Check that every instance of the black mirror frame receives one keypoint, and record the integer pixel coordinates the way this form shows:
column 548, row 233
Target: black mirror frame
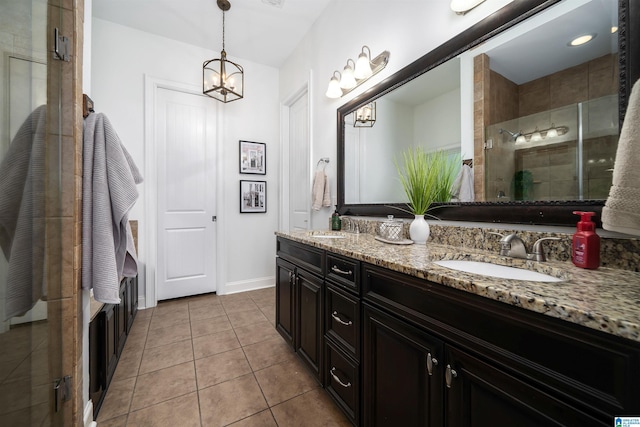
column 547, row 212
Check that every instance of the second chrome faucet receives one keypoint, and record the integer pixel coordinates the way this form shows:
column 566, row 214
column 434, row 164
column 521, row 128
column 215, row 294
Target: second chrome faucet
column 511, row 245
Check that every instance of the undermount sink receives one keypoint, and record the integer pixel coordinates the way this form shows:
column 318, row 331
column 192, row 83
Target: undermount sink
column 495, row 270
column 327, row 234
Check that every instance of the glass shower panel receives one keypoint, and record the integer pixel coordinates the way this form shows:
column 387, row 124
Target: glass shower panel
column 30, row 339
column 561, row 154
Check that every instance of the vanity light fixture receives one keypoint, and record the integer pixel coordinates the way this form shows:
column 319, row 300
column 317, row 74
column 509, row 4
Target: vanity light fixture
column 223, row 79
column 365, row 116
column 538, row 135
column 354, row 75
column 461, row 7
column 579, row 41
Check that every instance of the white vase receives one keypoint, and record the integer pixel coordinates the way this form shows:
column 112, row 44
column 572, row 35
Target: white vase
column 419, row 230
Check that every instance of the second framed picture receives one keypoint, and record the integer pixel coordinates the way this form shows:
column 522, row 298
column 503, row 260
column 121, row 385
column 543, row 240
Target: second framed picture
column 253, row 196
column 253, row 157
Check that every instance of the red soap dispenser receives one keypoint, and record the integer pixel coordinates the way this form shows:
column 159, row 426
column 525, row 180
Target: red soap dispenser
column 585, row 248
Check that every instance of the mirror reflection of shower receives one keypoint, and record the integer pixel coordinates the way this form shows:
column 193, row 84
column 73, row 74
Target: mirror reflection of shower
column 544, row 161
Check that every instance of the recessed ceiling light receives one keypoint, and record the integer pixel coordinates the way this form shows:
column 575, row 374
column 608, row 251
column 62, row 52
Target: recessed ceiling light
column 614, row 29
column 582, row 40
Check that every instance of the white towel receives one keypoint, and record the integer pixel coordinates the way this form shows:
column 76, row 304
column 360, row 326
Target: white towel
column 621, row 212
column 108, row 194
column 326, row 196
column 22, row 214
column 320, row 195
column 462, row 188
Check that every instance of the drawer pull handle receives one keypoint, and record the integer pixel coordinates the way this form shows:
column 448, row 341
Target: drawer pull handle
column 335, row 269
column 449, row 375
column 337, row 318
column 431, row 362
column 335, row 377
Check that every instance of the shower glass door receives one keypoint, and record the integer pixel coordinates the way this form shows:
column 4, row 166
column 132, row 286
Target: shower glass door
column 565, row 153
column 30, row 324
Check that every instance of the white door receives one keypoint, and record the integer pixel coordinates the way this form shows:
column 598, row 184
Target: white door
column 186, row 146
column 299, row 185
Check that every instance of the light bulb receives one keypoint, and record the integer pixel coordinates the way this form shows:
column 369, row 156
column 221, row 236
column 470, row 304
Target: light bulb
column 347, row 81
column 536, row 136
column 363, row 67
column 334, row 91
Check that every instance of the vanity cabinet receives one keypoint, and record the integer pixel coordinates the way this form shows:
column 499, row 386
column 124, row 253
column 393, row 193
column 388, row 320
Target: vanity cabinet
column 400, row 350
column 496, row 364
column 107, row 336
column 299, row 300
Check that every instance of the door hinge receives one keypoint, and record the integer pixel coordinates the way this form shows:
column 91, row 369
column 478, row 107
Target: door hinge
column 61, row 391
column 488, row 144
column 214, row 218
column 60, row 46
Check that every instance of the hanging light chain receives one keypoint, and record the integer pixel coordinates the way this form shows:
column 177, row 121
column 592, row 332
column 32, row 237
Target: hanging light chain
column 223, row 30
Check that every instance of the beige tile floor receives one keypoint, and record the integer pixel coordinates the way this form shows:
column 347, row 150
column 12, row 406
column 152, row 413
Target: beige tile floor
column 213, row 361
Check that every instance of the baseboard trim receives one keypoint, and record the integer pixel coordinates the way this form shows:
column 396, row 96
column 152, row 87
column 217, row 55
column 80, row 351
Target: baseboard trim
column 88, row 415
column 250, row 285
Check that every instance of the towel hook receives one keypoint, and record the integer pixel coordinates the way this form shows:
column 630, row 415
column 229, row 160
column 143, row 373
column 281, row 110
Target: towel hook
column 323, row 160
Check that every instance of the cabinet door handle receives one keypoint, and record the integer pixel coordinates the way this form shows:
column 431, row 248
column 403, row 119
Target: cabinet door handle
column 335, row 377
column 431, row 362
column 449, row 375
column 337, row 318
column 335, row 269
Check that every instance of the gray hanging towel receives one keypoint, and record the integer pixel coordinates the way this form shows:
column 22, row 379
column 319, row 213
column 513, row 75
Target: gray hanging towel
column 108, row 193
column 22, row 215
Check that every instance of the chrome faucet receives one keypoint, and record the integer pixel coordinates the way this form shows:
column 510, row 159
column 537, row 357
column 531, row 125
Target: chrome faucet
column 513, row 246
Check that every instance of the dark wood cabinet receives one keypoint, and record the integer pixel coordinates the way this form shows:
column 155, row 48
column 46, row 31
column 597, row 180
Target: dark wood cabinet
column 479, row 393
column 309, row 316
column 504, row 365
column 107, row 336
column 402, row 376
column 299, row 301
column 285, row 299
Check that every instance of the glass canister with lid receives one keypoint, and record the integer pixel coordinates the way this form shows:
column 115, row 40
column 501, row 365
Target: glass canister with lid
column 391, row 229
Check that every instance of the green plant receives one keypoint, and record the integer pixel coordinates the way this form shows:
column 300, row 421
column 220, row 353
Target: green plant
column 426, row 177
column 522, row 185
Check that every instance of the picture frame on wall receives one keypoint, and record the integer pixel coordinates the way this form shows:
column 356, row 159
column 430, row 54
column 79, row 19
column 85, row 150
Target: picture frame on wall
column 253, row 157
column 253, row 196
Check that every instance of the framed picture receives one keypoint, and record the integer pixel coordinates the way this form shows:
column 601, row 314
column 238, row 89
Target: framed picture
column 253, row 196
column 253, row 157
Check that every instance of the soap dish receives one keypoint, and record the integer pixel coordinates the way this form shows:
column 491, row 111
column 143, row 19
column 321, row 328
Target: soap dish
column 395, row 242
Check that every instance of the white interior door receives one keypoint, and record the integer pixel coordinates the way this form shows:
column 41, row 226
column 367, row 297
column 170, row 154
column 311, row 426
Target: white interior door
column 186, row 146
column 299, row 185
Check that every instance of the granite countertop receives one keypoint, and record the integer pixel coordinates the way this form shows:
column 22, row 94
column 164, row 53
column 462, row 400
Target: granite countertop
column 606, row 299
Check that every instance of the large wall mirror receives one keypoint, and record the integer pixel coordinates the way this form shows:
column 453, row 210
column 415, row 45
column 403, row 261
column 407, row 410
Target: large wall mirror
column 538, row 117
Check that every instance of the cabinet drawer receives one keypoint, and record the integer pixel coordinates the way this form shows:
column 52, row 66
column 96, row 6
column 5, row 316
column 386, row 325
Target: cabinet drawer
column 343, row 320
column 344, row 272
column 303, row 255
column 342, row 381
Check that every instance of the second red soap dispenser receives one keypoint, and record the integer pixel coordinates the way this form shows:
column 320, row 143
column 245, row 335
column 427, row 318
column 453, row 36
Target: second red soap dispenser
column 585, row 247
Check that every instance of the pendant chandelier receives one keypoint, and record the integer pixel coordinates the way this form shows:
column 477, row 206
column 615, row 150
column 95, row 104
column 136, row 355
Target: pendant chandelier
column 223, row 79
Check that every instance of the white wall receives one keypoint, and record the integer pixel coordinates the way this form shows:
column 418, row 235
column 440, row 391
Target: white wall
column 121, row 57
column 407, row 28
column 437, row 122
